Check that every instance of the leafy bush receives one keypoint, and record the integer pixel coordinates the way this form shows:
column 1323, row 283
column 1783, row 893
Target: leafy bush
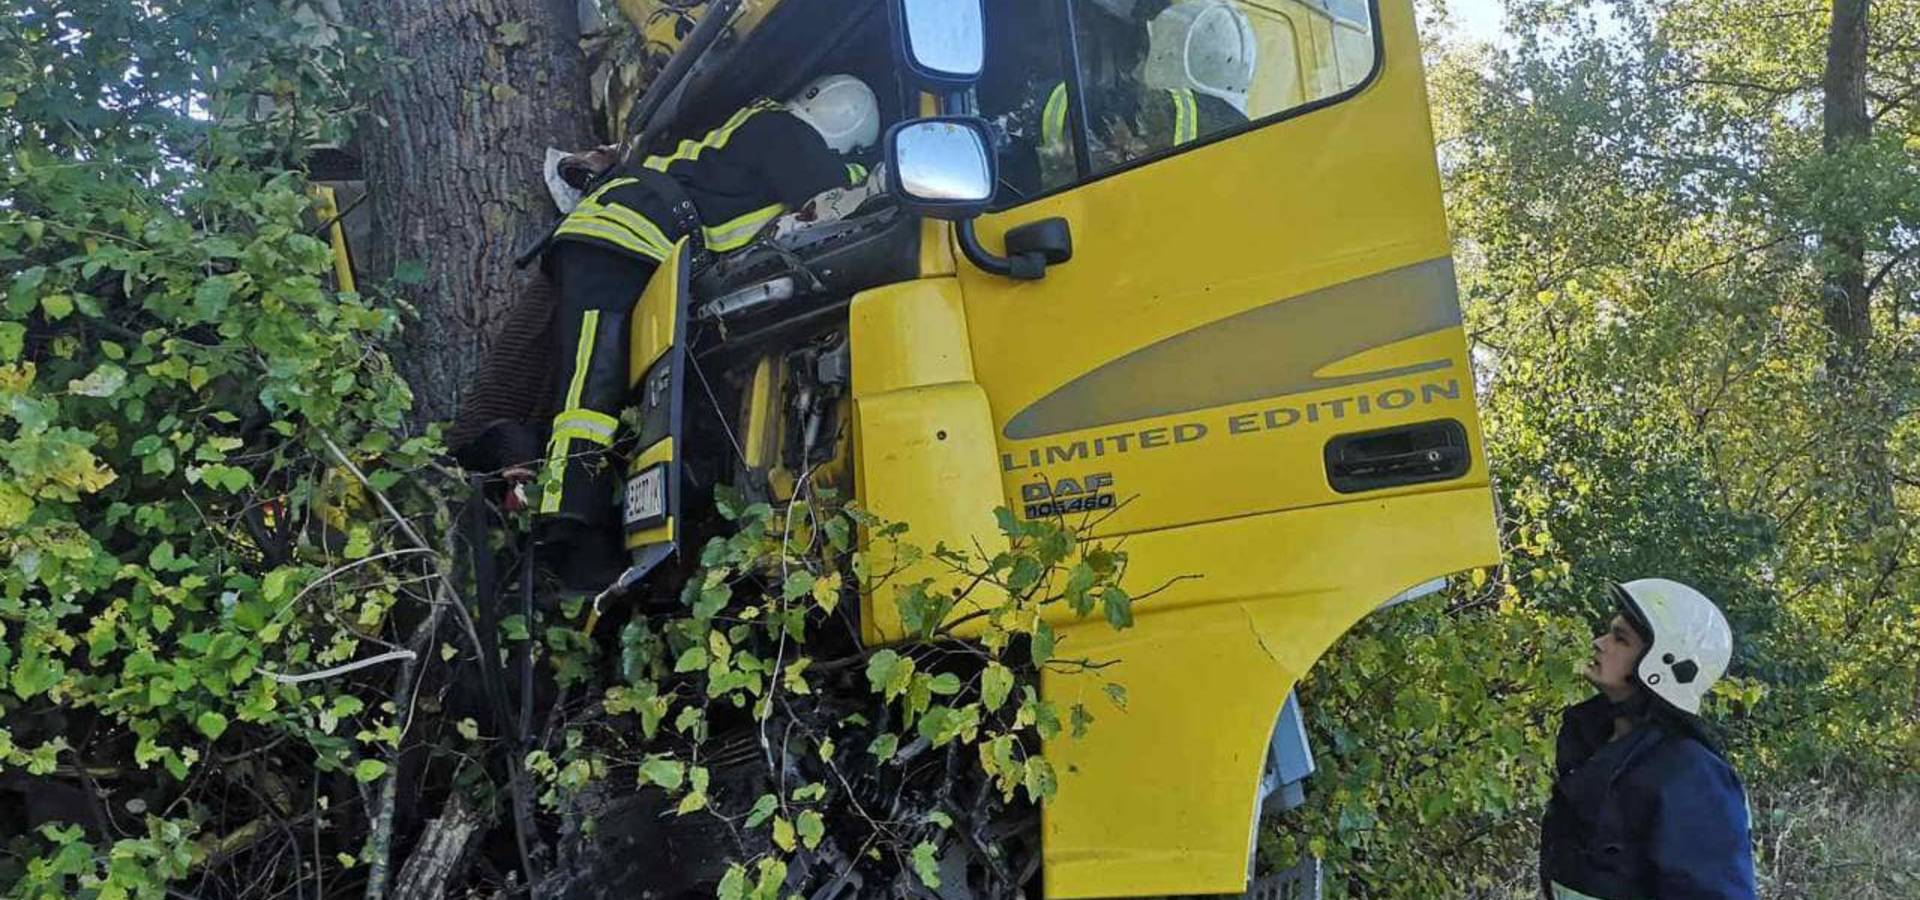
column 182, row 396
column 885, row 763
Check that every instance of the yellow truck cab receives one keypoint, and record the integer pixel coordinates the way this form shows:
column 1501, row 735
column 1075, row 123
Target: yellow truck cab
column 1176, row 269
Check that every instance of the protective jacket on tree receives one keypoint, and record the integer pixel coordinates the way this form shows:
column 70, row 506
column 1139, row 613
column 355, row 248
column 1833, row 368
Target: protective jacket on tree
column 1653, row 815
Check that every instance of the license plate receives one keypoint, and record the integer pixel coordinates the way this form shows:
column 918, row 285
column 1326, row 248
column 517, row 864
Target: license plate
column 646, row 500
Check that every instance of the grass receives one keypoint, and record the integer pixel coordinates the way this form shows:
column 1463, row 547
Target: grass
column 1814, row 842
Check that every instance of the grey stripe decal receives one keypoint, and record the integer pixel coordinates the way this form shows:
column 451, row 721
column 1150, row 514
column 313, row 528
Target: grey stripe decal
column 1265, row 352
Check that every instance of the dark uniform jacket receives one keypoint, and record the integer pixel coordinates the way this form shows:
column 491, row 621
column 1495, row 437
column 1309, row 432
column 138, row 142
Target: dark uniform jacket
column 762, row 162
column 728, row 185
column 1655, row 815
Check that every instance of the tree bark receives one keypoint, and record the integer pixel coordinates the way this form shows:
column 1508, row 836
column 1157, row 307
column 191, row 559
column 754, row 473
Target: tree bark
column 1861, row 411
column 1845, row 124
column 441, row 855
column 453, row 158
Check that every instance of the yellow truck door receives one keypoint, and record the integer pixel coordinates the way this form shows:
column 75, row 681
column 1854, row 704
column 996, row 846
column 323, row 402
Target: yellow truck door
column 656, row 370
column 1252, row 367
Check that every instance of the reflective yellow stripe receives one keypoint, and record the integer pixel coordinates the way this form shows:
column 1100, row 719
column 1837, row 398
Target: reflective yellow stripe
column 735, row 233
column 1186, row 116
column 602, row 230
column 588, row 424
column 856, row 173
column 616, row 224
column 603, row 189
column 715, row 139
column 559, row 446
column 625, row 217
column 1053, row 119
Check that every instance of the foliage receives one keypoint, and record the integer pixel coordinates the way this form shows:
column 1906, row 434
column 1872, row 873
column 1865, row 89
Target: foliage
column 862, row 759
column 180, row 390
column 1454, row 766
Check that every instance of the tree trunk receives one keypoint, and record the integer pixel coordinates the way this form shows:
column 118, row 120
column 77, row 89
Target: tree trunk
column 453, row 167
column 441, row 854
column 1861, row 413
column 1845, row 125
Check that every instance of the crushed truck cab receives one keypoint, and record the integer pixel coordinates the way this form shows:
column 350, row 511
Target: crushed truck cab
column 1206, row 303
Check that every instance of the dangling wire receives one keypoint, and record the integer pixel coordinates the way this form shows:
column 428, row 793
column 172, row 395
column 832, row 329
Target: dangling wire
column 725, row 426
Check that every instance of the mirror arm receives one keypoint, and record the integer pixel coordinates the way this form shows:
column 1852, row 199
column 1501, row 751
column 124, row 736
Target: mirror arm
column 712, row 25
column 958, row 103
column 1020, row 267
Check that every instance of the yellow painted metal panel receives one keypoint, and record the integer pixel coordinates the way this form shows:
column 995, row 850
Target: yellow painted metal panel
column 1160, row 797
column 662, row 451
column 655, row 314
column 926, row 459
column 936, row 249
column 760, row 414
column 1286, row 225
column 909, row 334
column 1229, row 310
column 327, row 207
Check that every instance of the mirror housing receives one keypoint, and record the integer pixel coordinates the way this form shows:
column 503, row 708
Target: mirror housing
column 941, row 167
column 942, row 43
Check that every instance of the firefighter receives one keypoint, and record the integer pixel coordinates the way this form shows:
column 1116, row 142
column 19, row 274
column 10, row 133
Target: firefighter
column 726, row 188
column 1644, row 805
column 1155, row 76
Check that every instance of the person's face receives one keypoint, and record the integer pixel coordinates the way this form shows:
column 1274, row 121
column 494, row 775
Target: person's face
column 1615, row 651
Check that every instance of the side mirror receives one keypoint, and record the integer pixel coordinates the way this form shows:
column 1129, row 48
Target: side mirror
column 941, row 42
column 941, row 167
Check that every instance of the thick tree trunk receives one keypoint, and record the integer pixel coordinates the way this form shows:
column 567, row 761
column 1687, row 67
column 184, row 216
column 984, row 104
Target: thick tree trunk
column 1846, row 124
column 453, row 167
column 1861, row 412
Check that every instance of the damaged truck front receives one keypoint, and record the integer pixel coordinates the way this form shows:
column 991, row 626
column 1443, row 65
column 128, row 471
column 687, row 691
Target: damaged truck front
column 1178, row 270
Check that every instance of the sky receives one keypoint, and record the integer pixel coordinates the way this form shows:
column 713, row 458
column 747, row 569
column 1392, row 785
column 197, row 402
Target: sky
column 1477, row 20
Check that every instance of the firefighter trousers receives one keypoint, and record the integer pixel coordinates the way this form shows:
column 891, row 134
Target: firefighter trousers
column 604, row 254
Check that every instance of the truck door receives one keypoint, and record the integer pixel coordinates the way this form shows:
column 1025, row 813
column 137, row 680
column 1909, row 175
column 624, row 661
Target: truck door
column 1259, row 265
column 1252, row 366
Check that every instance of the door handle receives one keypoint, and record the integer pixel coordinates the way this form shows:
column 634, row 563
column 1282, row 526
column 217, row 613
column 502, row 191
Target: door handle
column 1051, row 238
column 1030, row 249
column 1392, row 457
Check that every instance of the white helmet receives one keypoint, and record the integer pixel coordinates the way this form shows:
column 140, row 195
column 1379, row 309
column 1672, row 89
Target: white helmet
column 842, row 108
column 1207, row 46
column 1688, row 640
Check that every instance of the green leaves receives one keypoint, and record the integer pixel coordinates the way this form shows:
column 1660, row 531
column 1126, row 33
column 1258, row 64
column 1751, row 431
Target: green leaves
column 34, row 673
column 211, row 297
column 13, row 337
column 740, row 645
column 812, row 827
column 692, row 659
column 762, row 810
column 668, row 773
column 889, row 673
column 213, row 725
column 926, row 865
column 410, row 272
column 1119, row 606
column 996, row 682
column 799, row 584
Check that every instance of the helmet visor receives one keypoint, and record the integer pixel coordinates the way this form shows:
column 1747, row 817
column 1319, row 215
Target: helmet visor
column 1630, row 609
